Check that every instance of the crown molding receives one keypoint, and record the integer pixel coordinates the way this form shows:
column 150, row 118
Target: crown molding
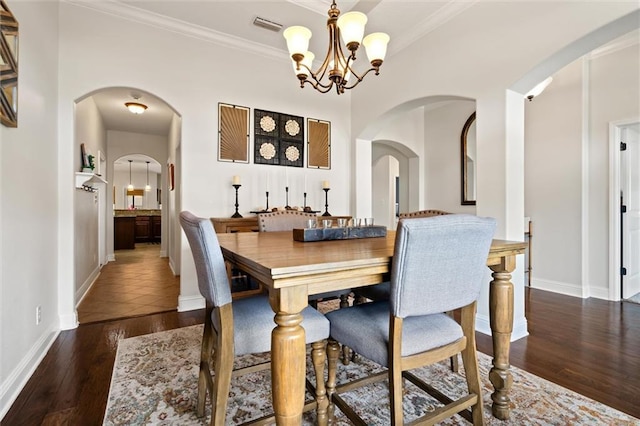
column 429, row 24
column 142, row 16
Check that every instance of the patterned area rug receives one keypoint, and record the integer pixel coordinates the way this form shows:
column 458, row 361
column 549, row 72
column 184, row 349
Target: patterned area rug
column 155, row 382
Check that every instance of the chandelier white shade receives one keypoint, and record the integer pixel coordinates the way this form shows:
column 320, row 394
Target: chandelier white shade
column 336, row 69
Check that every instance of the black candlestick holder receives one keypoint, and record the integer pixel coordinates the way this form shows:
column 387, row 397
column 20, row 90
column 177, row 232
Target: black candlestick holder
column 287, row 206
column 236, row 214
column 326, row 202
column 267, row 208
column 304, row 205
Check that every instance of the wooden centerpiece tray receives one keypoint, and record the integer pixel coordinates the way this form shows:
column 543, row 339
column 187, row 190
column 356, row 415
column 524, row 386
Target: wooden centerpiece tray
column 346, row 233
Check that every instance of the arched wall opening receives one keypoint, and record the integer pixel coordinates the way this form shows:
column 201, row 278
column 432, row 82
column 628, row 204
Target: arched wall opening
column 105, row 129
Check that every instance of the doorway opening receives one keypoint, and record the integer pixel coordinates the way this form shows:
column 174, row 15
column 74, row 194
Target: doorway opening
column 624, row 207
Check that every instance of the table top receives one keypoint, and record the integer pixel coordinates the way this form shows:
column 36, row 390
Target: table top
column 278, row 261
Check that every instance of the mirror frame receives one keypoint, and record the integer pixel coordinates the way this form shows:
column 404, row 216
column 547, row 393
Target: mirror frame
column 463, row 161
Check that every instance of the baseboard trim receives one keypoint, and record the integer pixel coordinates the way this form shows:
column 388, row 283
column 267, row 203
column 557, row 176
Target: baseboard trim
column 559, row 287
column 86, row 286
column 520, row 330
column 17, row 379
column 111, row 257
column 190, row 303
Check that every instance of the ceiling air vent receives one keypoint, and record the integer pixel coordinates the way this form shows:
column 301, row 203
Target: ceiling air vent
column 265, row 23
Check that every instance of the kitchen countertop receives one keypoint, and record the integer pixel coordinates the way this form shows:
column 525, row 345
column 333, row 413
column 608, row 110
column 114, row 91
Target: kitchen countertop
column 135, row 213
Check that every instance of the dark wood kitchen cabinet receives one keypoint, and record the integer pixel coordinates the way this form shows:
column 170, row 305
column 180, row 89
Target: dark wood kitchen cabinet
column 124, row 232
column 143, row 229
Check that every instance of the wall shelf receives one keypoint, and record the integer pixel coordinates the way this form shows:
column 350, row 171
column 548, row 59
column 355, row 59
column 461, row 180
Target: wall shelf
column 86, row 180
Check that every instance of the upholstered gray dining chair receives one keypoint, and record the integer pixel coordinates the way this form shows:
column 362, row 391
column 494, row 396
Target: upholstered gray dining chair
column 240, row 327
column 438, row 265
column 382, row 291
column 284, row 220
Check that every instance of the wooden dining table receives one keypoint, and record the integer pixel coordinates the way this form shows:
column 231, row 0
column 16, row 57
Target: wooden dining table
column 293, row 270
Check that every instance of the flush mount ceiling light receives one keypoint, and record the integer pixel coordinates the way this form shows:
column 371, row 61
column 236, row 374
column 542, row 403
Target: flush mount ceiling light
column 336, row 66
column 538, row 88
column 136, row 107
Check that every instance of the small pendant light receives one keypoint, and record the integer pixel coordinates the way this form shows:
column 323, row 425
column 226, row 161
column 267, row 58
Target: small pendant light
column 130, row 187
column 148, row 187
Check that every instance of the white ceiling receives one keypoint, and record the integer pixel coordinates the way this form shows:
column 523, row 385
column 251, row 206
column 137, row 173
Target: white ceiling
column 231, row 22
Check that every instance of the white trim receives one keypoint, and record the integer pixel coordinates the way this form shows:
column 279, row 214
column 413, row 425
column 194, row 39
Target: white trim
column 584, row 252
column 190, row 303
column 568, row 289
column 146, row 17
column 615, row 135
column 111, row 257
column 86, row 286
column 483, row 325
column 631, row 39
column 429, row 24
column 69, row 322
column 11, row 387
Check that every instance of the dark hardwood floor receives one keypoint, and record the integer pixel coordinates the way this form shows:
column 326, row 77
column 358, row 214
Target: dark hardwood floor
column 590, row 346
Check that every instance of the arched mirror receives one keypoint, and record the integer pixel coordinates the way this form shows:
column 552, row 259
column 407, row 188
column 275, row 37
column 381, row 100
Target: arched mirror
column 468, row 161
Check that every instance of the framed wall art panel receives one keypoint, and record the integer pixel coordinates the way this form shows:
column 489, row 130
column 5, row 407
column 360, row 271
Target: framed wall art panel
column 233, row 133
column 318, row 144
column 8, row 67
column 266, row 150
column 291, row 153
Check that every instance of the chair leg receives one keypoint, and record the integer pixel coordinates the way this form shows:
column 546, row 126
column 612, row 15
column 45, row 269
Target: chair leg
column 470, row 362
column 223, row 366
column 333, row 352
column 204, row 376
column 455, row 365
column 319, row 356
column 395, row 371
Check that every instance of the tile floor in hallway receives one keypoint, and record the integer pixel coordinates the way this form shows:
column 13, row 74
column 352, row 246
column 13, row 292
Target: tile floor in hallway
column 139, row 282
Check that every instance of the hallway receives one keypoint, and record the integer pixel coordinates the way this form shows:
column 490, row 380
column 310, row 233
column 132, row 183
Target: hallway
column 139, row 282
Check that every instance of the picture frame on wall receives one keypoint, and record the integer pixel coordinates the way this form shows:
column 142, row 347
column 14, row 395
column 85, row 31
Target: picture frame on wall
column 233, row 133
column 278, row 138
column 8, row 67
column 318, row 144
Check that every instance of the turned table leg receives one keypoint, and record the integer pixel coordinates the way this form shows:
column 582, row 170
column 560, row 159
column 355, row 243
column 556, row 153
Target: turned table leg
column 288, row 357
column 501, row 319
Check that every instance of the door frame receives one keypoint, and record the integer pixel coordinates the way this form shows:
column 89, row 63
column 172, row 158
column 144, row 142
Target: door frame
column 615, row 134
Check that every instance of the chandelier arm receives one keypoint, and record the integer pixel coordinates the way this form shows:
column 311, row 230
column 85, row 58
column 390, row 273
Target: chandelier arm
column 359, row 79
column 318, row 87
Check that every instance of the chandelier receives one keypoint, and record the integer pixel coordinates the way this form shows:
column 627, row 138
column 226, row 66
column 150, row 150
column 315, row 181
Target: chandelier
column 336, row 67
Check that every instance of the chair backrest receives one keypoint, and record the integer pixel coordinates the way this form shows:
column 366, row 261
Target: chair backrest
column 439, row 263
column 213, row 281
column 423, row 213
column 284, row 220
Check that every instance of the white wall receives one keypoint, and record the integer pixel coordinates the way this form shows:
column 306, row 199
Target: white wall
column 613, row 91
column 557, row 125
column 553, row 182
column 90, row 131
column 385, row 170
column 443, row 126
column 29, row 205
column 138, row 58
column 460, row 59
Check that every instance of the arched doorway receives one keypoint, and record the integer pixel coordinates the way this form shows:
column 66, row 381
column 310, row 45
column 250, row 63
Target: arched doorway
column 109, row 131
